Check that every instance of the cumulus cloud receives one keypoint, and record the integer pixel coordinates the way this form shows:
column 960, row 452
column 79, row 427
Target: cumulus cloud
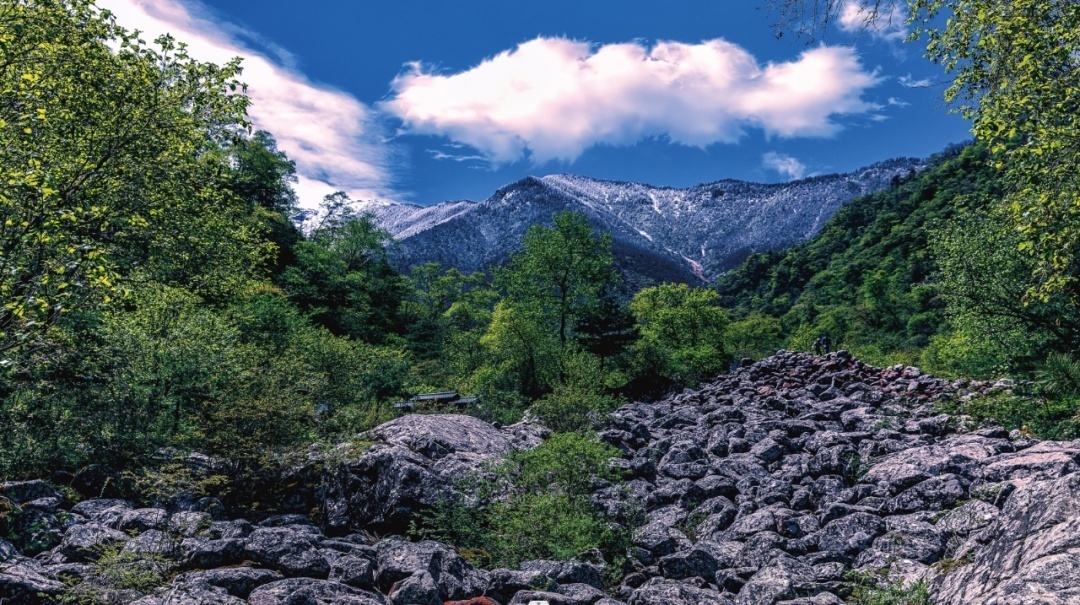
column 888, row 22
column 786, row 165
column 333, row 137
column 553, row 98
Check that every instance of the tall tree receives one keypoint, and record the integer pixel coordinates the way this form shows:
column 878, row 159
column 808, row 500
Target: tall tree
column 342, row 276
column 262, row 174
column 262, row 177
column 560, row 272
column 111, row 163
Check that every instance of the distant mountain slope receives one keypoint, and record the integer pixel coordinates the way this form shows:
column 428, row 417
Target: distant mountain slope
column 864, row 279
column 659, row 233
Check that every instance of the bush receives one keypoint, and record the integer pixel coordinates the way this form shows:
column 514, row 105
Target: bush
column 531, row 505
column 1045, row 418
column 1060, row 375
column 579, row 399
column 117, row 570
column 867, row 589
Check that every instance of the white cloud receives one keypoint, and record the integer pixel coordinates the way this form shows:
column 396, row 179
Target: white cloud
column 332, row 137
column 910, row 82
column 785, row 164
column 555, row 98
column 897, row 102
column 442, row 155
column 888, row 22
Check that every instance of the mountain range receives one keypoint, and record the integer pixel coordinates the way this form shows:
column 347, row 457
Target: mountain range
column 659, row 234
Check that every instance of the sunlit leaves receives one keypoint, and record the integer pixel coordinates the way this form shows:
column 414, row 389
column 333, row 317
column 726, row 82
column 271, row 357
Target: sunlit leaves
column 110, row 168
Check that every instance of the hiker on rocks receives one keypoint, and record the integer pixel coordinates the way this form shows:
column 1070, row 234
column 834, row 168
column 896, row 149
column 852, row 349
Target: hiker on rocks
column 821, row 345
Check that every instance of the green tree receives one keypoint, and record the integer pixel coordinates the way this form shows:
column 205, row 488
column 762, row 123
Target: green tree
column 262, row 175
column 607, row 330
column 431, row 294
column 1015, row 75
column 682, row 332
column 984, row 279
column 110, row 155
column 522, row 353
column 755, row 336
column 547, row 288
column 342, row 276
column 868, row 277
column 560, row 272
column 580, row 398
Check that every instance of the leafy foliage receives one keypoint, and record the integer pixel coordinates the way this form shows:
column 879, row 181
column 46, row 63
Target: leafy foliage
column 111, row 158
column 1015, row 76
column 866, row 278
column 682, row 332
column 341, row 277
column 578, row 400
column 534, row 506
column 118, row 570
column 984, row 280
column 869, row 591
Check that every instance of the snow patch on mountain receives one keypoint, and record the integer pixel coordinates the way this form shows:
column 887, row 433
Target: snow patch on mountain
column 659, row 233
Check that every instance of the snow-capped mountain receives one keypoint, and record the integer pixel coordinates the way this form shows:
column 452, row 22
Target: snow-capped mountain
column 659, row 233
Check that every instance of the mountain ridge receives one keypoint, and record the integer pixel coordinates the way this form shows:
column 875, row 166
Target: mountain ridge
column 660, row 233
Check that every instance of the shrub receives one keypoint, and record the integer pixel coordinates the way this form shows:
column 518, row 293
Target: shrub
column 579, row 398
column 1046, row 418
column 868, row 589
column 117, row 570
column 531, row 505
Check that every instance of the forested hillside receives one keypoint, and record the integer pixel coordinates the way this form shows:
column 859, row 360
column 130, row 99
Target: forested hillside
column 869, row 279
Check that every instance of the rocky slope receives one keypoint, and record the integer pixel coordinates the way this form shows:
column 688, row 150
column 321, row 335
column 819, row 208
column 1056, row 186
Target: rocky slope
column 772, row 485
column 659, row 233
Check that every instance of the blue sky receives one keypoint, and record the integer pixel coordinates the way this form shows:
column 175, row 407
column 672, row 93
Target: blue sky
column 424, row 101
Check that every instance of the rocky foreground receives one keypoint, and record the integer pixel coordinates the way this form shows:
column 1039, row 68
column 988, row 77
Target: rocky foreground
column 777, row 484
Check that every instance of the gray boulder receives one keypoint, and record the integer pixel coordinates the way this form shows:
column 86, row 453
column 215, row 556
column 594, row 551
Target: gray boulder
column 785, row 578
column 417, row 589
column 307, row 591
column 88, row 541
column 142, row 519
column 412, row 466
column 102, row 510
column 356, row 571
column 1029, row 555
column 851, row 534
column 23, row 581
column 398, row 560
column 236, row 581
column 21, row 492
column 292, row 552
column 192, row 593
column 503, row 584
column 566, row 572
column 661, row 591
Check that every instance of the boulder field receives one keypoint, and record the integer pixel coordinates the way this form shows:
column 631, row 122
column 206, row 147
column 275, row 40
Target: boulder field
column 782, row 483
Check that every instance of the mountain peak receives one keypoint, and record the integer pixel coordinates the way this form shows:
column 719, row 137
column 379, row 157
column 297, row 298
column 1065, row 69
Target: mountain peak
column 659, row 233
